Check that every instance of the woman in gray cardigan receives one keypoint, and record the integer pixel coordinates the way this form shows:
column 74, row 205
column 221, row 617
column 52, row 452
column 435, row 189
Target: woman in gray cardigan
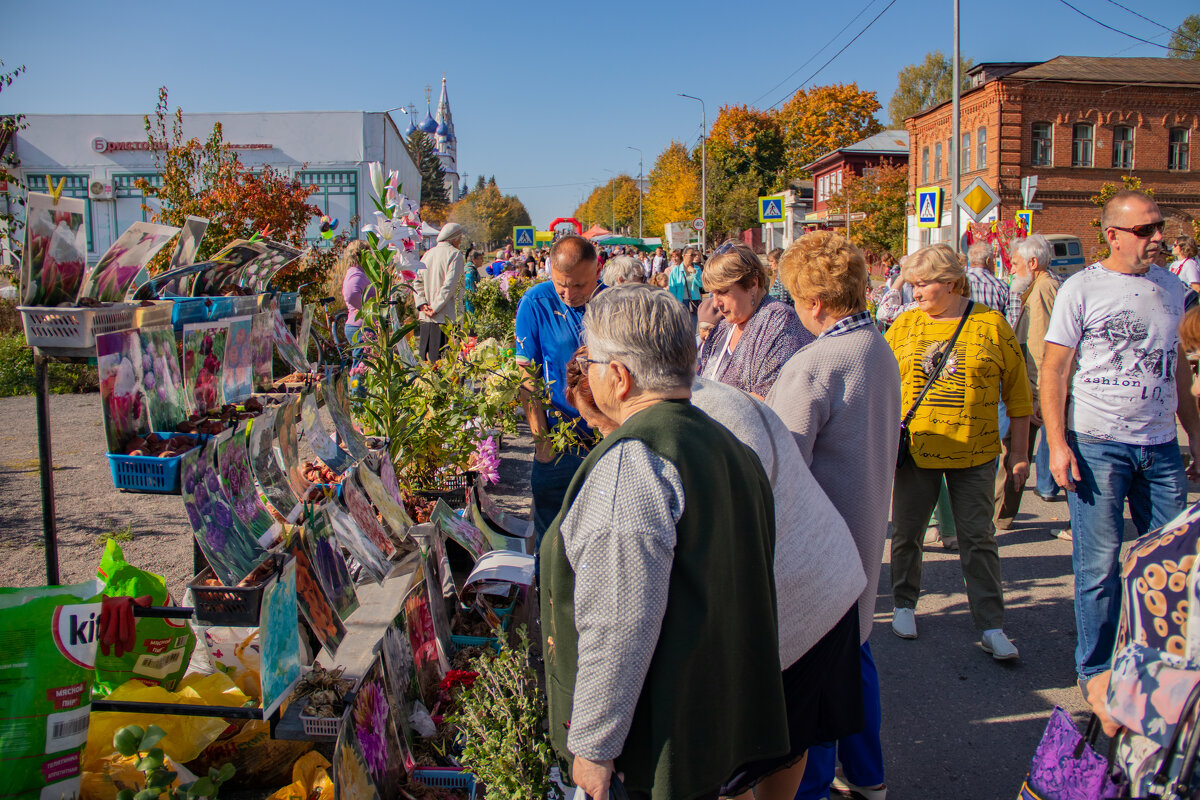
column 840, row 398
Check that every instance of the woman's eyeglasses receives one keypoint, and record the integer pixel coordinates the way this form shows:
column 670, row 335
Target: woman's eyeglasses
column 1143, row 231
column 583, row 362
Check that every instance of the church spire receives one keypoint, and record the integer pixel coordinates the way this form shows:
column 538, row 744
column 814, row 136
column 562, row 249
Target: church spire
column 445, row 122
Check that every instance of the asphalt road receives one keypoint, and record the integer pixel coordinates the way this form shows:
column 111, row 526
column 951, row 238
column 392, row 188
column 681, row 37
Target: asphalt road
column 956, row 723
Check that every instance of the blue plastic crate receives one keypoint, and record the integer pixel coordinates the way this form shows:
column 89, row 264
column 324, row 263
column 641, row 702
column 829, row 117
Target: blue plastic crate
column 188, row 310
column 223, row 307
column 148, row 474
column 445, row 778
column 288, row 302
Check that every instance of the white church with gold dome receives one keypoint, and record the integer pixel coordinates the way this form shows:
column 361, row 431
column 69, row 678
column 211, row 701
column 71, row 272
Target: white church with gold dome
column 441, row 129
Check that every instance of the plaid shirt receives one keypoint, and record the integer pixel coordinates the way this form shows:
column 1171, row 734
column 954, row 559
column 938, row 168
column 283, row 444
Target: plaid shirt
column 853, row 322
column 989, row 290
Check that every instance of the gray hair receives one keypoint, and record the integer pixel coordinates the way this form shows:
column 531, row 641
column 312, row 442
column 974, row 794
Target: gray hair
column 624, row 269
column 647, row 330
column 980, row 253
column 1036, row 246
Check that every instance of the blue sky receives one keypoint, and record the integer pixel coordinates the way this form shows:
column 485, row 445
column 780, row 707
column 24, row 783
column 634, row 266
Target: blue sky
column 546, row 96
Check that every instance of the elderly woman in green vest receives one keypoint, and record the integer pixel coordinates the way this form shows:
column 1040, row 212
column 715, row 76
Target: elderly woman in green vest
column 658, row 592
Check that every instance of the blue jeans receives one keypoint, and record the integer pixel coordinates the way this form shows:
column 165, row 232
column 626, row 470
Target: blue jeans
column 1152, row 479
column 549, row 483
column 1045, row 480
column 861, row 754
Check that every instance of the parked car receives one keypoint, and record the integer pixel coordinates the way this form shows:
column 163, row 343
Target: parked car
column 1067, row 254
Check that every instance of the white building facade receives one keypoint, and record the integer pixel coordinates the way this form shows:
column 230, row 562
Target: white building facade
column 102, row 155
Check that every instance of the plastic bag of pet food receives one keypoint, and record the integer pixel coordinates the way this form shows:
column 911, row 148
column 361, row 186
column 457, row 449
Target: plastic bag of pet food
column 48, row 637
column 163, row 647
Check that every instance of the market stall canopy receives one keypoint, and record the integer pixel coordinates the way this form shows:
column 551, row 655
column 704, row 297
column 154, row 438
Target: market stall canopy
column 596, row 230
column 610, row 241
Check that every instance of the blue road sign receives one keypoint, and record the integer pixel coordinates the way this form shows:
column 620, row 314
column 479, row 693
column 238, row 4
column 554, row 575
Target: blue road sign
column 523, row 236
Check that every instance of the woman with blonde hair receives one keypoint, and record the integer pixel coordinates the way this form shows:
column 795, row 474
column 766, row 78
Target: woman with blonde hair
column 758, row 333
column 957, row 360
column 355, row 287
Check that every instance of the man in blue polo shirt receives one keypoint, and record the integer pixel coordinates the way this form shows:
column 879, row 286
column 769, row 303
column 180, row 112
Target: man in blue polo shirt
column 549, row 326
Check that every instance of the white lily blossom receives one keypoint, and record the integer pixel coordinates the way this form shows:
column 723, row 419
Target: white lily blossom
column 377, row 184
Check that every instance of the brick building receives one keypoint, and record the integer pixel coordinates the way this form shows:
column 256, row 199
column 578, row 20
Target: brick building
column 1074, row 122
column 829, row 172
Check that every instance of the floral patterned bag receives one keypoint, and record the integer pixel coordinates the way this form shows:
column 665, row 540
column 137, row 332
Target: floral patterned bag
column 1066, row 767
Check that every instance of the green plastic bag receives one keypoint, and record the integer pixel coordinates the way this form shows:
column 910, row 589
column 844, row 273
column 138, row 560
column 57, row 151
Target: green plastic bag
column 164, row 646
column 48, row 641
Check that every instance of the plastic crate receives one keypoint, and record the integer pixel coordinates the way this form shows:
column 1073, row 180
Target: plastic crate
column 451, row 488
column 148, row 474
column 445, row 778
column 189, row 310
column 237, row 306
column 323, row 727
column 158, row 314
column 74, row 327
column 289, row 302
column 228, row 605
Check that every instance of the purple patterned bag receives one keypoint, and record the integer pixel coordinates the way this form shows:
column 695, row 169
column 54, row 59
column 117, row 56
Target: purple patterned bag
column 1065, row 767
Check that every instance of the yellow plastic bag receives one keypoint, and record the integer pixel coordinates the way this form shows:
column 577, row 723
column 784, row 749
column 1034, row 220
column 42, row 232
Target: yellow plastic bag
column 102, row 780
column 261, row 762
column 186, row 736
column 310, row 780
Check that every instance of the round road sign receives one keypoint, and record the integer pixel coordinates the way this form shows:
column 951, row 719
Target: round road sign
column 698, row 224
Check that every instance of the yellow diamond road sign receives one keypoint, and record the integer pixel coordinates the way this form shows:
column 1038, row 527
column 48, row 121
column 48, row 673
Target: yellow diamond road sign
column 978, row 199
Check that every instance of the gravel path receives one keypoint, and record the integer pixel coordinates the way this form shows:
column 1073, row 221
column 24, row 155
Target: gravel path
column 152, row 529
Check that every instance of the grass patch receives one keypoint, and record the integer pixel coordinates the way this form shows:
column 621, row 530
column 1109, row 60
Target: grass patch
column 124, row 534
column 17, row 375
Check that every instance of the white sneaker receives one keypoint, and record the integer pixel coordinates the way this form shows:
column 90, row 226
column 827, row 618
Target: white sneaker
column 904, row 623
column 843, row 786
column 996, row 643
column 933, row 535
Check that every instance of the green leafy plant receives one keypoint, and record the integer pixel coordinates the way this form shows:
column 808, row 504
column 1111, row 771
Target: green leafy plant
column 495, row 301
column 17, row 376
column 132, row 741
column 502, row 716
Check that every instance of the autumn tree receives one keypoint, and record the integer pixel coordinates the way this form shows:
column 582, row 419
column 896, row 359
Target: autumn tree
column 1101, row 198
column 1185, row 40
column 746, row 145
column 488, row 215
column 674, row 189
column 435, row 202
column 824, row 118
column 881, row 193
column 613, row 205
column 923, row 85
column 732, row 202
column 207, row 179
column 11, row 223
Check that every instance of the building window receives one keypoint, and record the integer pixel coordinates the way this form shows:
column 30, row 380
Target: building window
column 336, row 195
column 128, row 201
column 981, row 143
column 75, row 186
column 1081, row 145
column 1122, row 147
column 924, row 165
column 1177, row 148
column 1041, row 145
column 965, row 151
column 937, row 161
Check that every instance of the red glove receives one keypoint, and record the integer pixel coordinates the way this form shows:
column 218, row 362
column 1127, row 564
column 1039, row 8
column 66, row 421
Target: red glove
column 118, row 628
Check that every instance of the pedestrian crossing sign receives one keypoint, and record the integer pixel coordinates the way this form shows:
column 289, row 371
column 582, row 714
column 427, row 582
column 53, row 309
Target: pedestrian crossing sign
column 770, row 209
column 1025, row 217
column 929, row 207
column 523, row 236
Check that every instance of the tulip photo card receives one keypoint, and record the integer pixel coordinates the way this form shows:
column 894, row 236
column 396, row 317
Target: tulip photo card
column 114, row 275
column 237, row 372
column 203, row 361
column 55, row 256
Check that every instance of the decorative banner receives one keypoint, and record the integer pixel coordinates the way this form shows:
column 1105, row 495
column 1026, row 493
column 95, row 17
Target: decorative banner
column 929, row 207
column 114, row 275
column 55, row 256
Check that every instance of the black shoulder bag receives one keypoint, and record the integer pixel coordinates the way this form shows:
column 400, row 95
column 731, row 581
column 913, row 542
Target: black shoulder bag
column 903, row 454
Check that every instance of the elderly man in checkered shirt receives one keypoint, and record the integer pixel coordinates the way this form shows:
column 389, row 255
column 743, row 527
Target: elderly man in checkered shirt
column 986, row 288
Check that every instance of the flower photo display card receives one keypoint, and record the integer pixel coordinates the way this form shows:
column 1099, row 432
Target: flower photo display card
column 275, row 486
column 141, row 387
column 227, row 546
column 310, row 595
column 289, row 351
column 262, row 343
column 374, row 565
column 237, row 483
column 113, row 276
column 203, row 359
column 55, row 257
column 237, row 371
column 326, row 557
column 280, row 636
column 319, row 439
column 355, row 499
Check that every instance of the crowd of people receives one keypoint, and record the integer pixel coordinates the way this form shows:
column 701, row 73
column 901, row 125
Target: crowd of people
column 751, row 436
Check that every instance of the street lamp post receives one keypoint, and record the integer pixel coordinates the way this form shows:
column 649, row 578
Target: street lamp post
column 956, row 142
column 639, row 152
column 383, row 130
column 703, row 171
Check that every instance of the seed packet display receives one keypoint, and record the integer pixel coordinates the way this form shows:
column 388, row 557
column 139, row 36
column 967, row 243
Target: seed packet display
column 237, row 371
column 400, row 680
column 224, row 270
column 228, row 547
column 318, row 436
column 429, row 653
column 310, row 596
column 364, row 551
column 162, row 378
column 203, row 359
column 395, row 517
column 55, row 256
column 326, row 557
column 257, row 274
column 350, row 775
column 169, row 282
column 237, row 484
column 262, row 342
column 351, row 439
column 267, row 471
column 459, row 530
column 286, row 448
column 46, row 670
column 359, row 507
column 280, row 666
column 122, row 398
column 289, row 350
column 375, row 729
column 114, row 274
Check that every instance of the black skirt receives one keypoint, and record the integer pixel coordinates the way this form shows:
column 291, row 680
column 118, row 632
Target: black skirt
column 823, row 695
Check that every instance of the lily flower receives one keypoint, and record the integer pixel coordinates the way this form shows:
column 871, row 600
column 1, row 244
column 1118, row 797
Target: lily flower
column 384, row 228
column 376, row 170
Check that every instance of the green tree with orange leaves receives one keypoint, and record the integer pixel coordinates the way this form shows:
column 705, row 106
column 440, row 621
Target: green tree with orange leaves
column 824, row 118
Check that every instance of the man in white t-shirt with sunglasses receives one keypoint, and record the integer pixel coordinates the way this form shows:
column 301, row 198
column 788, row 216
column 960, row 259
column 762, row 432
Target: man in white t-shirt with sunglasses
column 1113, row 341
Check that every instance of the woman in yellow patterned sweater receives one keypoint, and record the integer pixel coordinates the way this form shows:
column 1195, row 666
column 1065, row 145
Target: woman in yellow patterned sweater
column 955, row 434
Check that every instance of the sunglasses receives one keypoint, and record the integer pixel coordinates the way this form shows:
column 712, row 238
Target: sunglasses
column 1143, row 231
column 725, row 248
